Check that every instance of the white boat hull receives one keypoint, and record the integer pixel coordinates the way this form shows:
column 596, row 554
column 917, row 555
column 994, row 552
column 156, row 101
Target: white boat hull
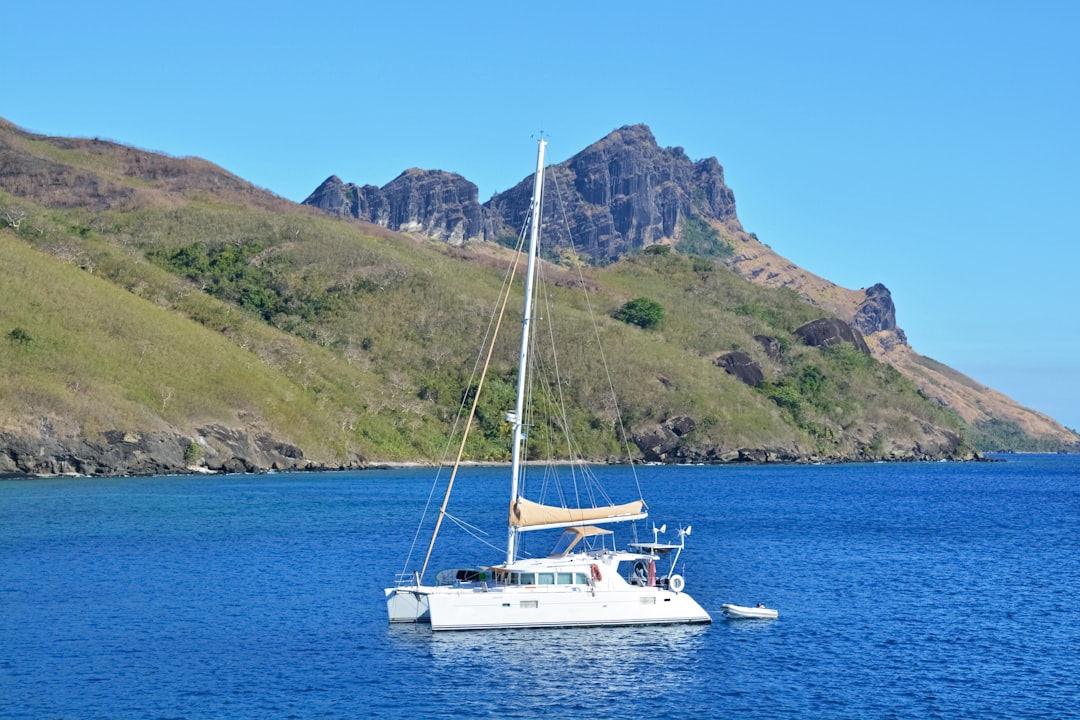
column 748, row 613
column 479, row 608
column 408, row 605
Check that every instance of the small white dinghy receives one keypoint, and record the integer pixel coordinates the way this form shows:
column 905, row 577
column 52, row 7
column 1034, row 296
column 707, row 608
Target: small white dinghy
column 738, row 612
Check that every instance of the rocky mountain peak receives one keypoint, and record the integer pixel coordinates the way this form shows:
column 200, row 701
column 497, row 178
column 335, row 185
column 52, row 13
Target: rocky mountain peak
column 620, row 193
column 876, row 312
column 332, row 196
column 435, row 203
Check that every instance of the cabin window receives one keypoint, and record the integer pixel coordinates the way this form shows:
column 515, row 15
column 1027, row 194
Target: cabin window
column 515, row 578
column 528, row 578
column 580, row 579
column 545, row 578
column 565, row 578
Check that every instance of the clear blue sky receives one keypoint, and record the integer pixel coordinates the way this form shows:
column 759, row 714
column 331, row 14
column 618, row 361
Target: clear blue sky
column 931, row 146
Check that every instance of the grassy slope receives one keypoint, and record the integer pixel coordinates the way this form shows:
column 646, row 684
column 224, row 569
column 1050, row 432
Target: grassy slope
column 100, row 358
column 840, row 400
column 997, row 422
column 369, row 349
column 382, row 372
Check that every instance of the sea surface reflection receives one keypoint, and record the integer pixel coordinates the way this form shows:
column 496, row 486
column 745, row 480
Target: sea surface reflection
column 568, row 670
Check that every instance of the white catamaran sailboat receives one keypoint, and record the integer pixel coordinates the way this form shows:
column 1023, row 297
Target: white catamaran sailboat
column 584, row 581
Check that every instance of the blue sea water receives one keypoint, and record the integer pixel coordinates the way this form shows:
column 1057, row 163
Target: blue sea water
column 904, row 590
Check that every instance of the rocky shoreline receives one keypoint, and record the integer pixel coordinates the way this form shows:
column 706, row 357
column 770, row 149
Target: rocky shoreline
column 219, row 450
column 215, row 450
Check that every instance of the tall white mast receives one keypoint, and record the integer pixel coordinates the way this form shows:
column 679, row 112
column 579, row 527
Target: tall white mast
column 519, row 407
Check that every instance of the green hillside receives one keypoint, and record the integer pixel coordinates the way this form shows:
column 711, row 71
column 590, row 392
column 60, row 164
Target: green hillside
column 175, row 309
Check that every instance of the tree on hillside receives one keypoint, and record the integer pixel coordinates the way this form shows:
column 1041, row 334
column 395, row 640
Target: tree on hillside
column 642, row 311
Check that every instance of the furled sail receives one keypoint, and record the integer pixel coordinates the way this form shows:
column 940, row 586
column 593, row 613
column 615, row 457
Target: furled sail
column 528, row 515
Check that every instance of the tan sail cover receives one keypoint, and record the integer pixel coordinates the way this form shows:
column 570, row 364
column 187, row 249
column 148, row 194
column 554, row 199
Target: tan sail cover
column 526, row 514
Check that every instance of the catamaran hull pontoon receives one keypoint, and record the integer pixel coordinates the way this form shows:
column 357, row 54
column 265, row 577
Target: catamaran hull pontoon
column 448, row 608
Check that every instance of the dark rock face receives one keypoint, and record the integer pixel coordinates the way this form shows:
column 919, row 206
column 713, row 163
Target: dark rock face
column 663, row 442
column 668, row 442
column 334, row 197
column 237, row 451
column 877, row 312
column 824, row 332
column 938, row 443
column 438, row 204
column 441, row 205
column 128, row 453
column 619, row 194
column 770, row 345
column 119, row 454
column 761, row 456
column 743, row 367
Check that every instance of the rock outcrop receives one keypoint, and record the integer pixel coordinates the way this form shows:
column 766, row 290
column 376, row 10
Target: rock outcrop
column 672, row 442
column 662, row 442
column 622, row 193
column 216, row 449
column 619, row 194
column 770, row 345
column 877, row 313
column 433, row 203
column 824, row 332
column 741, row 366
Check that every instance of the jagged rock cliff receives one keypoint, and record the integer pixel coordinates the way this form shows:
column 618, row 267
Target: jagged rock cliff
column 434, row 203
column 219, row 449
column 621, row 193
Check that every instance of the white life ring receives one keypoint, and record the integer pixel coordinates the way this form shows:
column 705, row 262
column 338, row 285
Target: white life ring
column 676, row 583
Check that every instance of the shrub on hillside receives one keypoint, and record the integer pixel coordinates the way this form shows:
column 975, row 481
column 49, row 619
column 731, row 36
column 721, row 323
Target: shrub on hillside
column 642, row 311
column 19, row 336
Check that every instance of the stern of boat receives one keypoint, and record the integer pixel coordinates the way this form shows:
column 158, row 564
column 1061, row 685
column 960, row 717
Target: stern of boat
column 407, row 605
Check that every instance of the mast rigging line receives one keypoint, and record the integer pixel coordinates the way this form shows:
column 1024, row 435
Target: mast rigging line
column 596, row 334
column 468, row 421
column 494, row 323
column 472, row 531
